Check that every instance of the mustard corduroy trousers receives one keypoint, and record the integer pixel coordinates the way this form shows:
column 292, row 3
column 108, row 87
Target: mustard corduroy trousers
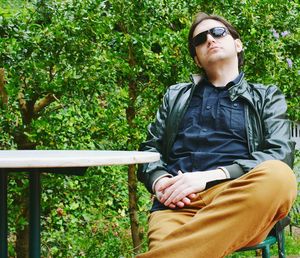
column 226, row 217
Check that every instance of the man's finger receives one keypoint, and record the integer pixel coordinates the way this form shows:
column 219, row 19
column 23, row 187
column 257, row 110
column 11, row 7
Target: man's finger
column 164, row 183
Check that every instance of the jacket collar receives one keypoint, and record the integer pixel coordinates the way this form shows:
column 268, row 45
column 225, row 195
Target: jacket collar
column 196, row 78
column 238, row 89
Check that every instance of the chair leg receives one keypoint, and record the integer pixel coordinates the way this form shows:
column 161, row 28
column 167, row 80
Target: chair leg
column 281, row 243
column 266, row 252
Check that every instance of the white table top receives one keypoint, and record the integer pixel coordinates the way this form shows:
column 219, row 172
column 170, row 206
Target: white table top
column 72, row 158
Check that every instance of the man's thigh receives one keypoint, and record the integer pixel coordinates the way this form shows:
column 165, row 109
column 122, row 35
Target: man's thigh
column 163, row 222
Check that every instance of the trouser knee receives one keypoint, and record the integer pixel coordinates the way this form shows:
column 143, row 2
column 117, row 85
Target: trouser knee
column 276, row 181
column 278, row 174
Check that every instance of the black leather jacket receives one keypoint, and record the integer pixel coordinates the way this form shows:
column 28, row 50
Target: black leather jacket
column 268, row 130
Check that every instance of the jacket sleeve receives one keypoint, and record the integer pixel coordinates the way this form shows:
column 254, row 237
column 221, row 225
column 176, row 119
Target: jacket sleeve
column 276, row 143
column 148, row 173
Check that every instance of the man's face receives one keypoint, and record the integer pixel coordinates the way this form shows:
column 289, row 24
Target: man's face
column 216, row 50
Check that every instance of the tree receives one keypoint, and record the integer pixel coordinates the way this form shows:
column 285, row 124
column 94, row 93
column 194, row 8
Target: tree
column 48, row 55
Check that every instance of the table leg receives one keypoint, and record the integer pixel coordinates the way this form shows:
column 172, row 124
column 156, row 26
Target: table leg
column 3, row 213
column 34, row 215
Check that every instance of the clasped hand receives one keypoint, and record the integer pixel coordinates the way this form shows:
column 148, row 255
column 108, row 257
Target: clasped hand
column 180, row 190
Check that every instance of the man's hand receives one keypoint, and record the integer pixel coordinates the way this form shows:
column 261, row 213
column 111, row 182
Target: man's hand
column 180, row 190
column 183, row 185
column 163, row 184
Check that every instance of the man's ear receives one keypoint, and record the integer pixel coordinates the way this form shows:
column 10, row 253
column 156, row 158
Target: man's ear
column 238, row 45
column 197, row 62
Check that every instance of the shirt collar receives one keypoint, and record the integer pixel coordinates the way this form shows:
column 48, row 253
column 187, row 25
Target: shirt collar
column 236, row 80
column 196, row 79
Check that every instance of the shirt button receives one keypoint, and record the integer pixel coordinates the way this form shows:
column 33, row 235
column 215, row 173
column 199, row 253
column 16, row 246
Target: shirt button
column 207, row 107
column 235, row 104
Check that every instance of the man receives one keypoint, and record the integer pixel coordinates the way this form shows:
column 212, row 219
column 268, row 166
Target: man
column 224, row 177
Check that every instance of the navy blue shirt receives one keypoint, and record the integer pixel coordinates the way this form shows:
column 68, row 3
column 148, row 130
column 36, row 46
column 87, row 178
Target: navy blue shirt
column 212, row 132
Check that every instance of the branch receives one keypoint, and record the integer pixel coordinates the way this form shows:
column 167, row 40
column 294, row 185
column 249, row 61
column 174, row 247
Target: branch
column 43, row 102
column 22, row 102
column 3, row 94
column 26, row 106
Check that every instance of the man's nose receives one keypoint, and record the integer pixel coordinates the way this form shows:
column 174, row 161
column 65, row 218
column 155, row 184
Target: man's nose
column 210, row 38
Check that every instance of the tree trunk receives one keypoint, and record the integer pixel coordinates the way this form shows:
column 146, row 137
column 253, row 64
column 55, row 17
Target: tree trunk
column 22, row 242
column 134, row 223
column 22, row 201
column 22, row 232
column 132, row 180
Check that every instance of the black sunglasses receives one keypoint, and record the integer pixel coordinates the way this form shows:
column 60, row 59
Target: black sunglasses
column 217, row 32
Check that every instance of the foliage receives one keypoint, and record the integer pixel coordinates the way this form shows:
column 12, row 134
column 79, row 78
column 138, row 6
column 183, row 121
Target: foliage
column 90, row 74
